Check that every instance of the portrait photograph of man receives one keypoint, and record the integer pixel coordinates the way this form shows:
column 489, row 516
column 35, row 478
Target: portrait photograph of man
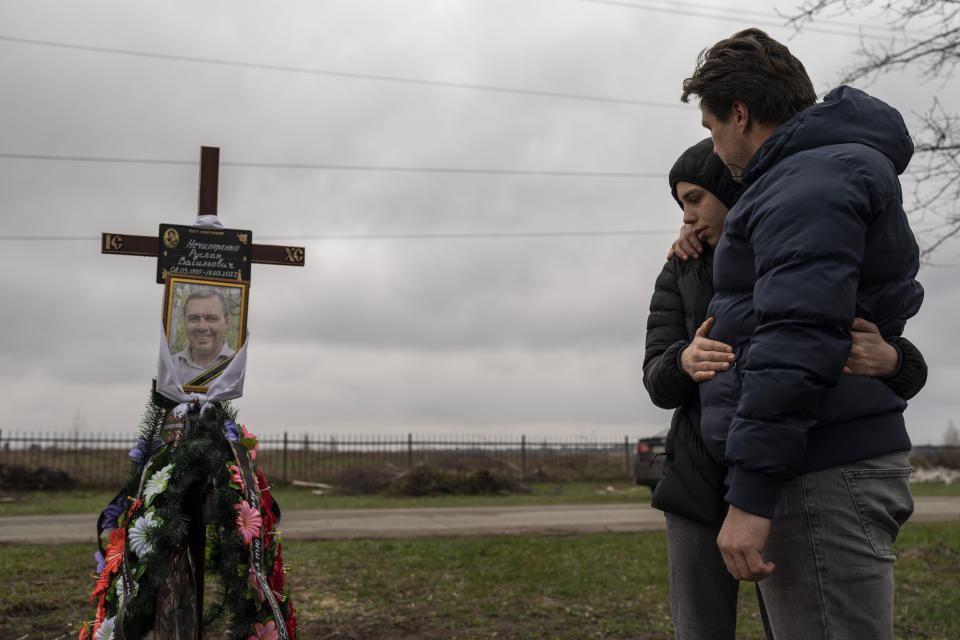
column 204, row 321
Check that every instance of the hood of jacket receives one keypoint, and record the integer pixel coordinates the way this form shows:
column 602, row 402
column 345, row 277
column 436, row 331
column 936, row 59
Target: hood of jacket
column 846, row 115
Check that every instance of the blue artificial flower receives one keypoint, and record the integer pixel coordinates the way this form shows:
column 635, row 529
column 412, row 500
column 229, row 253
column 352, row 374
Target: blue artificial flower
column 231, row 429
column 101, row 561
column 136, row 454
column 110, row 516
column 144, row 450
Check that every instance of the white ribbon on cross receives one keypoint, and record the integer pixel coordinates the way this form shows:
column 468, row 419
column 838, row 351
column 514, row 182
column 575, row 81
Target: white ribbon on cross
column 227, row 386
column 208, row 222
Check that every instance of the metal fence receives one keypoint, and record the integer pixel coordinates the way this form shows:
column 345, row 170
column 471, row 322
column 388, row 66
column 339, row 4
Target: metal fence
column 102, row 460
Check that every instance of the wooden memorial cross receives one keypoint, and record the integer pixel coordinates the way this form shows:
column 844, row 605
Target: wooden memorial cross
column 131, row 245
column 134, row 245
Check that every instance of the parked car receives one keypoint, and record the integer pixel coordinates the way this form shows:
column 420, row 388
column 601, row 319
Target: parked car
column 648, row 459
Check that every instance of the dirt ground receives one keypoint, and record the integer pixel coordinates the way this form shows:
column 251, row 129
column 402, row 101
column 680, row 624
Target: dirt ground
column 386, row 629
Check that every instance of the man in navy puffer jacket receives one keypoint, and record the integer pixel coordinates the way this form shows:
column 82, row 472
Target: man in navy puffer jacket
column 819, row 470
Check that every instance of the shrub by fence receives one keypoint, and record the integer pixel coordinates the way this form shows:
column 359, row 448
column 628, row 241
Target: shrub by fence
column 102, row 461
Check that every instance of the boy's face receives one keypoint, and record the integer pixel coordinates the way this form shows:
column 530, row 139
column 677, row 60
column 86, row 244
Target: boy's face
column 703, row 211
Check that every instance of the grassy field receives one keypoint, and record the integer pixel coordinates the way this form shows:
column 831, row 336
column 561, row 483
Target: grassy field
column 526, row 587
column 298, row 498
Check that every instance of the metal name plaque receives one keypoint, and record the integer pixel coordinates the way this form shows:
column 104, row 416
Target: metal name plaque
column 205, row 253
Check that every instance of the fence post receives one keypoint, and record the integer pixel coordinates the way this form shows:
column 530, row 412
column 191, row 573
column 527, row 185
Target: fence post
column 626, row 456
column 284, row 457
column 523, row 458
column 409, row 451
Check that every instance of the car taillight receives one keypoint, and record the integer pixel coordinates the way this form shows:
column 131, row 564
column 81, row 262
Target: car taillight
column 643, row 447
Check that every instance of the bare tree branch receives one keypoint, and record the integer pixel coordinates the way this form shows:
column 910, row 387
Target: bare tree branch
column 935, row 169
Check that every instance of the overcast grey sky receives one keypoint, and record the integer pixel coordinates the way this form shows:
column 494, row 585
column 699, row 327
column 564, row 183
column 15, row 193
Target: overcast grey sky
column 507, row 298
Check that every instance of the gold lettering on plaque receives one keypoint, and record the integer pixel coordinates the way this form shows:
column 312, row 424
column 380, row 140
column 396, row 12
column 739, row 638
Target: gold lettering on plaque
column 112, row 242
column 293, row 254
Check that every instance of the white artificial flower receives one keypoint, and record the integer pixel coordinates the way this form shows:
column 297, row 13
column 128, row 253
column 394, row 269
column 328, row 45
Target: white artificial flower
column 138, row 534
column 105, row 632
column 157, row 483
column 121, row 592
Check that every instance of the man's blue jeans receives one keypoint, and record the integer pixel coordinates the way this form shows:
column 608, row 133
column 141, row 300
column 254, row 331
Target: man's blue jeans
column 832, row 543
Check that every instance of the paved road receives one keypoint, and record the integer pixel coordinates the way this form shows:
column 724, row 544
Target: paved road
column 401, row 523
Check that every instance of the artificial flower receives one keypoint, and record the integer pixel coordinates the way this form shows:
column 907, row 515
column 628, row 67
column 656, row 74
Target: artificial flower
column 105, row 630
column 101, row 561
column 265, row 631
column 111, row 562
column 110, row 517
column 122, row 593
column 144, row 450
column 255, row 584
column 139, row 533
column 84, row 631
column 277, row 575
column 231, row 430
column 248, row 521
column 114, row 550
column 157, row 483
column 292, row 622
column 249, row 442
column 101, row 611
column 267, row 506
column 236, row 477
column 134, row 508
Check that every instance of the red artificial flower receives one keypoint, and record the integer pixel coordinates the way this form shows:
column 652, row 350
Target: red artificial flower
column 101, row 612
column 292, row 622
column 112, row 561
column 114, row 557
column 276, row 575
column 266, row 510
column 84, row 632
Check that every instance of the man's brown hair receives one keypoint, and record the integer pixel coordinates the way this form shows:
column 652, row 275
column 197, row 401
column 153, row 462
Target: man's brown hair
column 753, row 68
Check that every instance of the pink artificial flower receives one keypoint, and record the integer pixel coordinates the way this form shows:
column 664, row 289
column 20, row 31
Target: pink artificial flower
column 265, row 631
column 236, row 476
column 256, row 443
column 248, row 522
column 255, row 584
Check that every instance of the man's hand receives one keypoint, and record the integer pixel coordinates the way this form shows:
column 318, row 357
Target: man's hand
column 687, row 245
column 741, row 541
column 870, row 354
column 704, row 357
